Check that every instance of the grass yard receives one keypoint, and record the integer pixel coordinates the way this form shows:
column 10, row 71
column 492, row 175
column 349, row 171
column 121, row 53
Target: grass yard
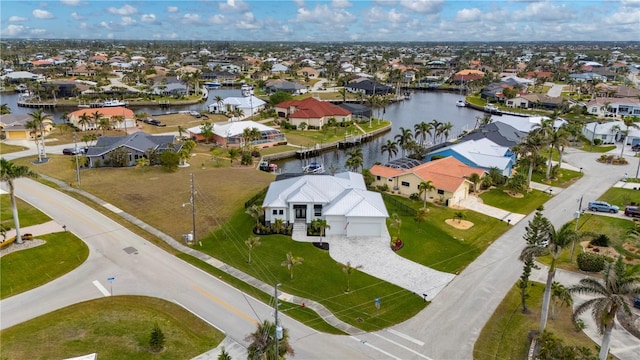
column 597, row 149
column 619, row 196
column 318, row 278
column 28, row 214
column 437, row 245
column 505, row 336
column 154, row 195
column 24, row 270
column 7, row 148
column 113, row 327
column 564, row 178
column 525, row 205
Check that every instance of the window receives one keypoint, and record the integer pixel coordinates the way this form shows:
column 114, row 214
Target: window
column 440, row 192
column 406, row 183
column 281, row 212
column 390, row 180
column 274, row 212
column 378, row 178
column 317, row 210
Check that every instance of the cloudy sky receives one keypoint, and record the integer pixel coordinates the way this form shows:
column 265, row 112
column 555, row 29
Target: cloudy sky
column 336, row 20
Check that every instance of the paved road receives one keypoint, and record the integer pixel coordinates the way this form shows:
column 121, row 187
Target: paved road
column 450, row 326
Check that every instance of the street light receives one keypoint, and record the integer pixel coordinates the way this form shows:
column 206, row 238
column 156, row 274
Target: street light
column 193, row 210
column 76, row 154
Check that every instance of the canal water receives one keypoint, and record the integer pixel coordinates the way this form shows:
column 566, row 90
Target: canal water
column 421, row 106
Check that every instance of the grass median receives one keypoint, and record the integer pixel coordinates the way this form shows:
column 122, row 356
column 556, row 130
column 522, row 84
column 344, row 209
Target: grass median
column 113, row 327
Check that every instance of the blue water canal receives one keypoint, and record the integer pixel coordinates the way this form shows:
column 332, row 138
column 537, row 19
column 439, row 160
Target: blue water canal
column 421, row 106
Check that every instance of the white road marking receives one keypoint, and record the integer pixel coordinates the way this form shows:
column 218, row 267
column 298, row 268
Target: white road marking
column 406, row 337
column 404, row 347
column 104, row 291
column 364, row 342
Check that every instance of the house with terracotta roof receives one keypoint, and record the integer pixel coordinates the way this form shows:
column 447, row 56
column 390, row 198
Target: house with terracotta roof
column 311, row 111
column 113, row 113
column 449, row 176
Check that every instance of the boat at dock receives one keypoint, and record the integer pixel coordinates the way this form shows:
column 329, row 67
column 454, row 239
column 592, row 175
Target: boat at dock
column 212, row 84
column 112, row 103
column 313, row 167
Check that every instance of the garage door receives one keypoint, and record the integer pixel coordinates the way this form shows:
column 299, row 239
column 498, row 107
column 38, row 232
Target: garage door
column 363, row 228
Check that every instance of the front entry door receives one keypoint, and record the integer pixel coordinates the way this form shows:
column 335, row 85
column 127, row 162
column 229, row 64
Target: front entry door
column 301, row 211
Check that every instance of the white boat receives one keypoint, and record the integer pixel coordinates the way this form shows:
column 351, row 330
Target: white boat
column 460, row 103
column 111, row 103
column 212, row 84
column 313, row 168
column 247, row 90
column 491, row 109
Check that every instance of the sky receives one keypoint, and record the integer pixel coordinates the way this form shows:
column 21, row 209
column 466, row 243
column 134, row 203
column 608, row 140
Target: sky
column 323, row 21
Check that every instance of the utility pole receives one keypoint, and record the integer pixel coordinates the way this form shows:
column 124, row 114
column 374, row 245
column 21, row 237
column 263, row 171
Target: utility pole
column 76, row 154
column 193, row 209
column 576, row 216
column 278, row 334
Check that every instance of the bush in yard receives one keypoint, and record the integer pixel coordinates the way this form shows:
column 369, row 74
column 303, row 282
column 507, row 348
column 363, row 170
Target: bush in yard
column 600, row 240
column 591, row 262
column 156, row 341
column 414, row 196
column 170, row 160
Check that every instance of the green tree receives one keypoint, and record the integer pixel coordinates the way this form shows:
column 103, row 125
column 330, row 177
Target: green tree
column 391, row 148
column 263, row 343
column 523, row 282
column 5, row 109
column 424, row 188
column 224, row 355
column 609, row 298
column 8, row 173
column 104, row 124
column 279, row 97
column 206, row 129
column 349, row 269
column 560, row 297
column 475, row 179
column 41, row 120
column 323, row 226
column 291, row 262
column 628, row 124
column 169, row 160
column 421, row 130
column 156, row 340
column 84, row 120
column 396, row 223
column 459, row 215
column 537, row 231
column 355, row 159
column 233, row 154
column 403, row 139
column 256, row 212
column 252, row 242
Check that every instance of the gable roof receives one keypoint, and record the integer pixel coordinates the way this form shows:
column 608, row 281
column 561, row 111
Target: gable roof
column 139, row 141
column 342, row 194
column 483, row 152
column 500, row 133
column 313, row 108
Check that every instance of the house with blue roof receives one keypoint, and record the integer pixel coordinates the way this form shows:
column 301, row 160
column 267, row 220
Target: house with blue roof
column 482, row 153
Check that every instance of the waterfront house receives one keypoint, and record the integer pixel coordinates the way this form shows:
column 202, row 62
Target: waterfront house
column 449, row 177
column 14, row 127
column 250, row 105
column 481, row 153
column 275, row 85
column 611, row 132
column 231, row 134
column 614, row 107
column 312, row 112
column 498, row 132
column 132, row 147
column 369, row 87
column 119, row 117
column 342, row 200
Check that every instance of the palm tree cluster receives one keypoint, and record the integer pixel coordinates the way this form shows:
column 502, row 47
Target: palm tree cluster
column 37, row 125
column 414, row 143
column 8, row 173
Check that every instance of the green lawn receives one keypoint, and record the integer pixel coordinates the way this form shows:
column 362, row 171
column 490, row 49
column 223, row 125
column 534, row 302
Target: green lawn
column 435, row 244
column 24, row 270
column 7, row 148
column 319, row 278
column 505, row 336
column 619, row 196
column 525, row 205
column 310, row 138
column 113, row 327
column 28, row 214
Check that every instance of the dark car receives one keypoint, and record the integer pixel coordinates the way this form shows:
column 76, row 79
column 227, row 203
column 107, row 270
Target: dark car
column 632, row 211
column 636, row 303
column 636, row 148
column 71, row 151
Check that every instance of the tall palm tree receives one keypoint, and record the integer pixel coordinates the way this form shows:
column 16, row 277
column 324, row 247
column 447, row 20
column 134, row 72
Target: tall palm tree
column 421, row 130
column 84, row 121
column 557, row 240
column 95, row 117
column 403, row 139
column 349, row 269
column 219, row 100
column 104, row 124
column 33, row 131
column 391, row 148
column 560, row 297
column 628, row 123
column 424, row 188
column 355, row 160
column 291, row 262
column 445, row 129
column 252, row 242
column 530, row 147
column 41, row 120
column 255, row 211
column 343, row 92
column 475, row 179
column 8, row 173
column 609, row 298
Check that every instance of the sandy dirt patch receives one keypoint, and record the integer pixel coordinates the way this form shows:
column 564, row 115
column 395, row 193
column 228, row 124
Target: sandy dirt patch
column 459, row 224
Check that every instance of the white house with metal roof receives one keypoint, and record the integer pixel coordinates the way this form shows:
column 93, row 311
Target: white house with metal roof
column 250, row 105
column 611, row 132
column 342, row 200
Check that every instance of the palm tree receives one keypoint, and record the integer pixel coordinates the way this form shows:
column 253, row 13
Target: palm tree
column 104, row 124
column 424, row 188
column 435, row 127
column 181, row 130
column 206, row 129
column 343, row 92
column 529, row 147
column 403, row 139
column 349, row 269
column 396, row 222
column 560, row 297
column 391, row 148
column 459, row 215
column 252, row 242
column 628, row 123
column 255, row 211
column 263, row 343
column 84, row 120
column 475, row 179
column 291, row 262
column 445, row 129
column 8, row 173
column 5, row 109
column 33, row 130
column 355, row 160
column 40, row 119
column 421, row 130
column 219, row 100
column 557, row 241
column 609, row 298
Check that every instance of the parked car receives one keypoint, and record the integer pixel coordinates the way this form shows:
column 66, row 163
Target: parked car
column 195, row 113
column 73, row 151
column 636, row 303
column 636, row 148
column 632, row 211
column 603, row 207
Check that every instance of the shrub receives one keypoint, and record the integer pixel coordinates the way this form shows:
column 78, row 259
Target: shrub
column 156, row 341
column 591, row 262
column 414, row 196
column 600, row 240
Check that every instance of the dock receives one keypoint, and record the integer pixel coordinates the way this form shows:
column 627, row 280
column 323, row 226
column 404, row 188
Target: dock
column 36, row 105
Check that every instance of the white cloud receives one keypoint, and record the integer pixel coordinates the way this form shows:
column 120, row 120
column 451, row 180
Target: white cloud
column 544, row 11
column 127, row 20
column 218, row 19
column 13, row 30
column 172, row 9
column 148, row 18
column 70, row 2
column 423, row 6
column 299, row 3
column 110, row 36
column 37, row 31
column 248, row 22
column 125, row 10
column 17, row 19
column 83, row 25
column 396, row 17
column 76, row 16
column 322, row 14
column 42, row 14
column 233, row 6
column 468, row 15
column 341, row 4
column 105, row 25
column 191, row 18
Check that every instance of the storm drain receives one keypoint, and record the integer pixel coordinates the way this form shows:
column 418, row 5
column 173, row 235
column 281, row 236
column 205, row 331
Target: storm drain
column 130, row 250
